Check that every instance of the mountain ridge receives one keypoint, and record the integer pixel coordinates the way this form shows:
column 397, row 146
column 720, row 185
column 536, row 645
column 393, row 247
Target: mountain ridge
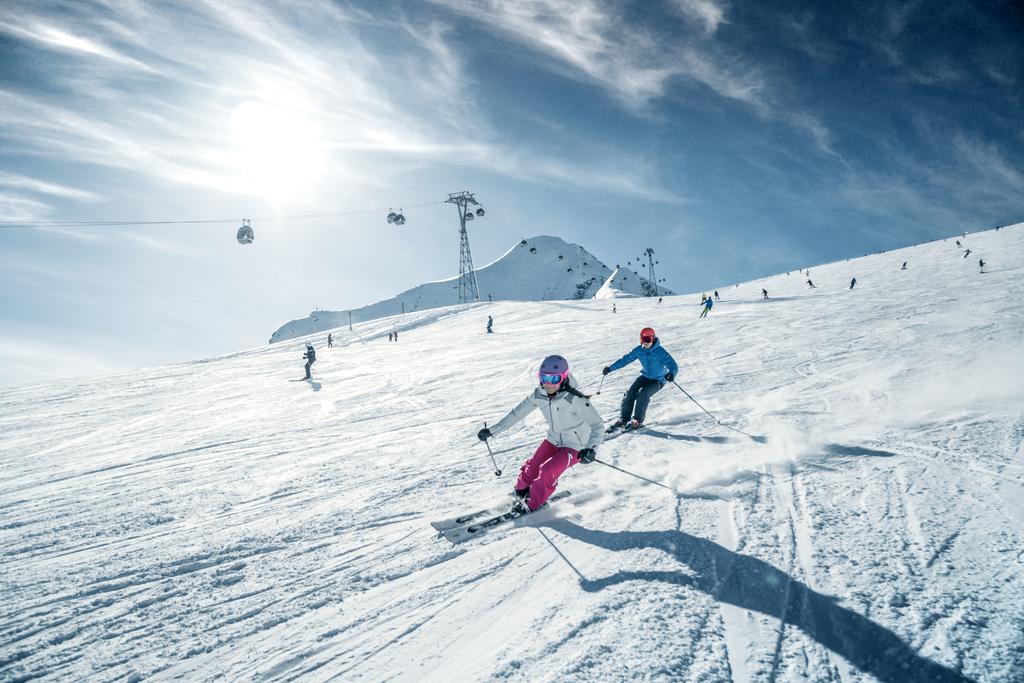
column 542, row 268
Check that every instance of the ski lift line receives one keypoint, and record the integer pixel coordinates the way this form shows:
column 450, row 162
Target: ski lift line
column 205, row 221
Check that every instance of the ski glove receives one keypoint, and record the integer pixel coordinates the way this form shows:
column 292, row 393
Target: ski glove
column 484, row 434
column 669, row 377
column 587, row 455
column 606, row 370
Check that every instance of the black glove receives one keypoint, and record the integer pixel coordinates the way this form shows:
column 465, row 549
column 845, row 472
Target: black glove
column 606, row 370
column 587, row 455
column 484, row 434
column 669, row 377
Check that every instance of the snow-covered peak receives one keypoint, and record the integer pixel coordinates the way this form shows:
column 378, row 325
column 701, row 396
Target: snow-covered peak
column 542, row 268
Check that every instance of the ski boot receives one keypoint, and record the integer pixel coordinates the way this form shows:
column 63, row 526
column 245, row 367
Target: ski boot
column 633, row 424
column 616, row 426
column 520, row 508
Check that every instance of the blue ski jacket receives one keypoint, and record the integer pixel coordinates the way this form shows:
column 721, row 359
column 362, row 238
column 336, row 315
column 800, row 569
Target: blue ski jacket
column 655, row 361
column 709, row 303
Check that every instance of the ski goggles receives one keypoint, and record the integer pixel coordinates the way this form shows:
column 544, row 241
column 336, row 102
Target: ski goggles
column 646, row 339
column 548, row 378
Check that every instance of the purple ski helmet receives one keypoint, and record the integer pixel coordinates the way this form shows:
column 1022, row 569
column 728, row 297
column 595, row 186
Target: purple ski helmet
column 553, row 370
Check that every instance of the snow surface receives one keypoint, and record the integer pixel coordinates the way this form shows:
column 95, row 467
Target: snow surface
column 540, row 268
column 214, row 519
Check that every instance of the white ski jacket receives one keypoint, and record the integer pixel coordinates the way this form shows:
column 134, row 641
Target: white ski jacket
column 572, row 421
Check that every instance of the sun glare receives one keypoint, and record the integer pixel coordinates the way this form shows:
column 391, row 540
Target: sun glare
column 277, row 151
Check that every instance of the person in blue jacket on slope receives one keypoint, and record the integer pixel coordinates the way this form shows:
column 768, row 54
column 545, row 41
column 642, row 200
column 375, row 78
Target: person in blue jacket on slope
column 657, row 367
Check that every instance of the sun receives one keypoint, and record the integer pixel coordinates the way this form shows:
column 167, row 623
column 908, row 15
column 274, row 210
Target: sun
column 277, row 152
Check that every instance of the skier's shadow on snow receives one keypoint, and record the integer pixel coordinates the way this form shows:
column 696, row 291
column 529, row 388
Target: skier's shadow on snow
column 314, row 385
column 752, row 584
column 857, row 451
column 647, row 431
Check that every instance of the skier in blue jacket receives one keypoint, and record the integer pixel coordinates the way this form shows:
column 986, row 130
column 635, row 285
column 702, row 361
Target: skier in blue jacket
column 707, row 307
column 657, row 367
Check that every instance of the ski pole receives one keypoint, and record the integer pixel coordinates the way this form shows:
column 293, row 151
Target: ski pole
column 634, row 475
column 712, row 416
column 497, row 471
column 600, row 385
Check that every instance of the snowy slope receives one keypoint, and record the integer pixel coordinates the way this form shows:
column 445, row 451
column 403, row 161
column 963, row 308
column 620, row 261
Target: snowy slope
column 537, row 269
column 214, row 519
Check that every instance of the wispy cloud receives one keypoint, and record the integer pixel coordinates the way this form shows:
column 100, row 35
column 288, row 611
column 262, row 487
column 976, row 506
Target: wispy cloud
column 16, row 209
column 593, row 42
column 55, row 36
column 707, row 12
column 33, row 185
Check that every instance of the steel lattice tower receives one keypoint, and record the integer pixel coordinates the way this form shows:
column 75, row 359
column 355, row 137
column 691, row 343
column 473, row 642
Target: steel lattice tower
column 468, row 290
column 650, row 271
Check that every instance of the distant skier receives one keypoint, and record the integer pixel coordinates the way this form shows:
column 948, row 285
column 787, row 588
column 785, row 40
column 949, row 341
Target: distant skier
column 391, row 337
column 657, row 367
column 959, row 246
column 330, row 340
column 717, row 298
column 396, row 335
column 764, row 293
column 967, row 253
column 659, row 300
column 853, row 283
column 613, row 308
column 490, row 325
column 310, row 356
column 703, row 298
column 708, row 303
column 904, row 266
column 981, row 263
column 574, row 430
column 810, row 285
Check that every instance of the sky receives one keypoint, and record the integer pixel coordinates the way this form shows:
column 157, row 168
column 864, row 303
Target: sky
column 735, row 139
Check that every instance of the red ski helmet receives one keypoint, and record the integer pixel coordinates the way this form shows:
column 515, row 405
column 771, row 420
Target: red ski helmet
column 553, row 370
column 647, row 334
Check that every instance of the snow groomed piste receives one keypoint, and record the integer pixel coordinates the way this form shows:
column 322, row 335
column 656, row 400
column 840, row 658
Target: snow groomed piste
column 213, row 520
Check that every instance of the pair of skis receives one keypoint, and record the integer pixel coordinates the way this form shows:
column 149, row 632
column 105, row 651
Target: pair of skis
column 472, row 524
column 613, row 432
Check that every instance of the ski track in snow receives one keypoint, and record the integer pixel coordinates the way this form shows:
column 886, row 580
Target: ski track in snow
column 212, row 519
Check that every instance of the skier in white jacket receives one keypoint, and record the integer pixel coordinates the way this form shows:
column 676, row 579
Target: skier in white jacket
column 574, row 431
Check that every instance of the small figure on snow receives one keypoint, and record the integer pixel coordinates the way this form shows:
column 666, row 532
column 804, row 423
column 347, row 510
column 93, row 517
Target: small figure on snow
column 853, row 282
column 310, row 356
column 717, row 298
column 330, row 340
column 703, row 298
column 391, row 337
column 810, row 285
column 981, row 264
column 613, row 308
column 396, row 335
column 657, row 367
column 764, row 293
column 490, row 325
column 967, row 253
column 659, row 300
column 959, row 246
column 575, row 429
column 708, row 303
column 904, row 266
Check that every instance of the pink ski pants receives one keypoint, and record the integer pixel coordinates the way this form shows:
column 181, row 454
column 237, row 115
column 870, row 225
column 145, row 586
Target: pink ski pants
column 541, row 472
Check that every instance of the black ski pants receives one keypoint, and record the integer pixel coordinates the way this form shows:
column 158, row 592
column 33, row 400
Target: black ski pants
column 308, row 364
column 637, row 397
